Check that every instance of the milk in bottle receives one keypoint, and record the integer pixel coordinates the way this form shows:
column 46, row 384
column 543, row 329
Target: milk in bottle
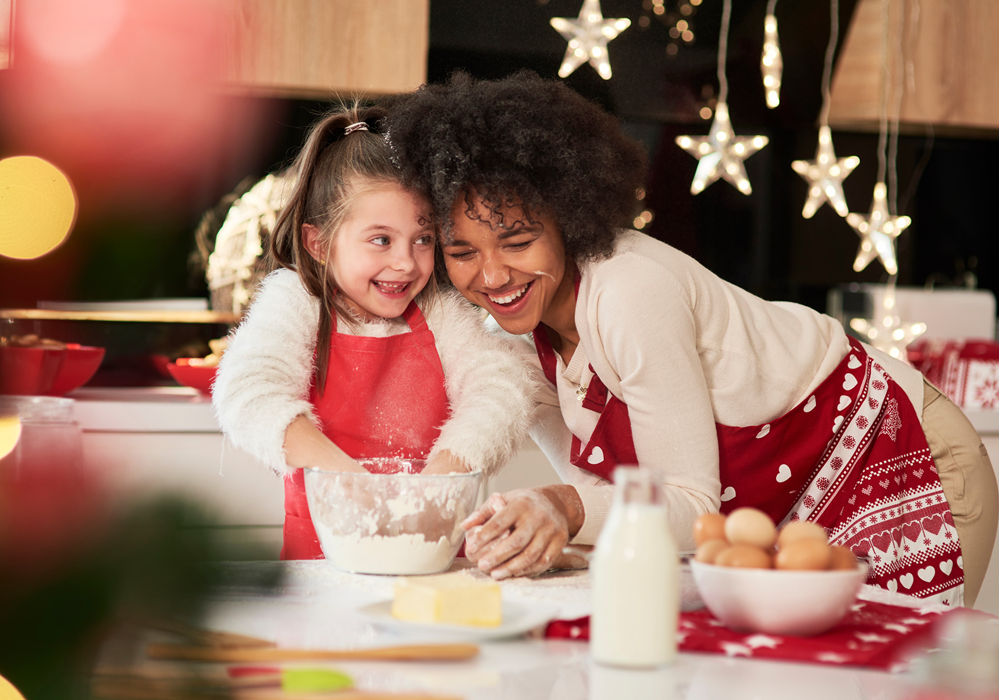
column 635, row 577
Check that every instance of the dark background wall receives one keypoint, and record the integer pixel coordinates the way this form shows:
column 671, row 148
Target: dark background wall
column 139, row 245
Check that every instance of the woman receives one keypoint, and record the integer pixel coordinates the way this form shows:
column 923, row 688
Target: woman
column 651, row 359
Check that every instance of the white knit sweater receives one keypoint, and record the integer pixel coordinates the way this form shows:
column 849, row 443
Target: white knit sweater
column 684, row 350
column 264, row 378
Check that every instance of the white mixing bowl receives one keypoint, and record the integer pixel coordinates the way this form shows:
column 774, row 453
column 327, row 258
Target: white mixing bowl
column 399, row 524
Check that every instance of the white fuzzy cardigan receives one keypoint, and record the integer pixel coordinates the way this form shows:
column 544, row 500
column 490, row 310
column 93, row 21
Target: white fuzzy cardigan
column 264, row 378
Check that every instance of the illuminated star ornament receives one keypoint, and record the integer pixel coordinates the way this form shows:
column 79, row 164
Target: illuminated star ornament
column 588, row 36
column 878, row 232
column 825, row 176
column 770, row 61
column 721, row 154
column 886, row 332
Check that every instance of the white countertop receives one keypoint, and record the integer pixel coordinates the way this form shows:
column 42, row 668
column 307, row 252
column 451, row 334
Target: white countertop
column 318, row 607
column 143, row 410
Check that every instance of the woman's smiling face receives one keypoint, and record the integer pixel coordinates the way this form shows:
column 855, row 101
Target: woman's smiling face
column 518, row 274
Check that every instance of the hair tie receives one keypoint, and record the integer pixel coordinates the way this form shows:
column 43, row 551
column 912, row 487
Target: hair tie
column 359, row 126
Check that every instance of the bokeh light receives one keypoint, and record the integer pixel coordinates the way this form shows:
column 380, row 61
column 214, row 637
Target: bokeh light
column 10, row 433
column 37, row 207
column 122, row 94
column 8, row 691
column 71, row 33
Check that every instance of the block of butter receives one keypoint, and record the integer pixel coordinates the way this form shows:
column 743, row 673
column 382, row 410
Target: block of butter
column 455, row 599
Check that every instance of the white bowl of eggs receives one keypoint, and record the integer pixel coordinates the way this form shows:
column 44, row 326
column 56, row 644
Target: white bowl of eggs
column 754, row 578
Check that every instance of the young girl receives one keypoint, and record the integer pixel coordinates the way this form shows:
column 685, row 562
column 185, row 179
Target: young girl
column 350, row 351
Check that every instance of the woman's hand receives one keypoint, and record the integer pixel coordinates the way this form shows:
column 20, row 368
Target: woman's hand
column 523, row 532
column 445, row 462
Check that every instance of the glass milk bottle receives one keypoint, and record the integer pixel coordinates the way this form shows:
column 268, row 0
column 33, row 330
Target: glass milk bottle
column 635, row 577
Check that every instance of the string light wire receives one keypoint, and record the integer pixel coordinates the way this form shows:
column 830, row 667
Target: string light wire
column 883, row 102
column 898, row 86
column 831, row 47
column 723, row 40
column 911, row 83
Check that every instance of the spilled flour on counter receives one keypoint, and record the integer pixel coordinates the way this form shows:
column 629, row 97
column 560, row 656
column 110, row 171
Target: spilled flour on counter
column 386, row 555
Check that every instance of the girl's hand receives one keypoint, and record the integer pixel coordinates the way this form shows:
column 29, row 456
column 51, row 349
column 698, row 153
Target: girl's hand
column 337, row 463
column 306, row 446
column 523, row 532
column 445, row 462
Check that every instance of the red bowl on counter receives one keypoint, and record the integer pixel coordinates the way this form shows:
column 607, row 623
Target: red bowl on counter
column 160, row 362
column 29, row 371
column 80, row 364
column 44, row 370
column 196, row 377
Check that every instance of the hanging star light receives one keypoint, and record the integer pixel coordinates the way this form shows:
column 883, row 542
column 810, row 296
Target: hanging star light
column 886, row 332
column 825, row 175
column 878, row 233
column 770, row 59
column 588, row 36
column 721, row 154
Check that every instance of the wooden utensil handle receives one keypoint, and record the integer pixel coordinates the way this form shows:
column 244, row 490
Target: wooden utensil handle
column 141, row 689
column 211, row 638
column 180, row 652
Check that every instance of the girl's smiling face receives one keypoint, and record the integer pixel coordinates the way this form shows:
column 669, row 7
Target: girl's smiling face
column 383, row 253
column 518, row 274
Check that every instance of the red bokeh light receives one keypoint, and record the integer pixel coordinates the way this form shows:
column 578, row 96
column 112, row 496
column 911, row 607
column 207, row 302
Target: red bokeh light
column 121, row 92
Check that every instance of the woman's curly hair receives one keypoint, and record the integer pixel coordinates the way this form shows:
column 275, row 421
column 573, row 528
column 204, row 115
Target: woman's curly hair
column 520, row 140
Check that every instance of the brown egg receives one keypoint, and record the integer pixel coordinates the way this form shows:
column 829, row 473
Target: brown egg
column 793, row 532
column 750, row 526
column 710, row 526
column 842, row 558
column 804, row 555
column 744, row 556
column 708, row 551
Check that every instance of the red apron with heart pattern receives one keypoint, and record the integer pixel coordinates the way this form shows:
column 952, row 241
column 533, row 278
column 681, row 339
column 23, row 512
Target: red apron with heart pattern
column 852, row 457
column 384, row 397
column 610, row 445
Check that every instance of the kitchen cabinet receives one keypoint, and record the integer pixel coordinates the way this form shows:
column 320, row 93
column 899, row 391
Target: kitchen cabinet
column 948, row 59
column 318, row 48
column 150, row 441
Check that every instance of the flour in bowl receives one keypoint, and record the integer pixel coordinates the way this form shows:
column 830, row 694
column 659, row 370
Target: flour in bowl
column 403, row 554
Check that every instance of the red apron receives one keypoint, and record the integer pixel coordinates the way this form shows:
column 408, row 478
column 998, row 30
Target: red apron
column 611, row 442
column 852, row 457
column 384, row 397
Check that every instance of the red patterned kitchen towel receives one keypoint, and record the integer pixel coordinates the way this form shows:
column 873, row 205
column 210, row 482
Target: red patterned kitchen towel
column 965, row 370
column 873, row 635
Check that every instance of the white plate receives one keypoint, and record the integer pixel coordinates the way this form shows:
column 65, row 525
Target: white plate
column 518, row 619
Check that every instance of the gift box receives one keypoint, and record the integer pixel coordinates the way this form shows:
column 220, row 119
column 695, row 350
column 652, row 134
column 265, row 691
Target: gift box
column 965, row 370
